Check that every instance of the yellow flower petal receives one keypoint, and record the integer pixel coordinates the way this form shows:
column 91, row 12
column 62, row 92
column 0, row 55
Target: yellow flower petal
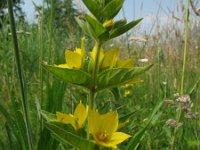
column 107, row 144
column 60, row 116
column 108, row 23
column 80, row 114
column 110, row 59
column 118, row 137
column 79, row 51
column 103, row 123
column 94, row 122
column 66, row 118
column 103, row 129
column 77, row 120
column 125, row 63
column 94, row 53
column 110, row 122
column 73, row 59
column 132, row 82
column 83, row 46
column 128, row 92
column 62, row 66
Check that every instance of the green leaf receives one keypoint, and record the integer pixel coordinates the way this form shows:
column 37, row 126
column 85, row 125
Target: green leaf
column 93, row 7
column 16, row 124
column 74, row 76
column 119, row 31
column 50, row 117
column 194, row 88
column 69, row 138
column 95, row 25
column 111, row 9
column 134, row 142
column 118, row 76
column 86, row 27
column 47, row 115
column 116, row 93
column 119, row 23
column 13, row 144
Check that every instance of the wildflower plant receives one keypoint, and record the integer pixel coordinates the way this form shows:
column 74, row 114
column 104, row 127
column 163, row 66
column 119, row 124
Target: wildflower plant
column 101, row 70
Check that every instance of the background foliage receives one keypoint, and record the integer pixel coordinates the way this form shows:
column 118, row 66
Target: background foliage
column 164, row 48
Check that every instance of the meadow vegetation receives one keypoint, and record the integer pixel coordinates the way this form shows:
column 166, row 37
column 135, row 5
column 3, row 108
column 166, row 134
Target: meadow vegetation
column 160, row 110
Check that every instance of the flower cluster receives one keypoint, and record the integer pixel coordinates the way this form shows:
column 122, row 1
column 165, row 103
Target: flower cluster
column 74, row 59
column 107, row 59
column 100, row 70
column 110, row 59
column 102, row 127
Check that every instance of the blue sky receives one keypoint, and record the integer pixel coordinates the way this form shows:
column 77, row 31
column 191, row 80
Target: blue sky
column 133, row 9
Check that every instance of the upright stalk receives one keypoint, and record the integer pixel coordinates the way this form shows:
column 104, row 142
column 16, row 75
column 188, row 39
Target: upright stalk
column 94, row 77
column 158, row 72
column 51, row 31
column 94, row 81
column 180, row 110
column 41, row 54
column 21, row 79
column 185, row 48
column 41, row 59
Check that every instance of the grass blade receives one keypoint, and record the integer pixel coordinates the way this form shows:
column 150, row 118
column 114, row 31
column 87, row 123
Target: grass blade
column 21, row 79
column 133, row 144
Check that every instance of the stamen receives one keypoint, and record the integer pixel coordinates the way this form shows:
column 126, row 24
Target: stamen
column 102, row 136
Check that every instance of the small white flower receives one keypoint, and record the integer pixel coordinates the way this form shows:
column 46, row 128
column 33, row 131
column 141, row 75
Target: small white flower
column 176, row 94
column 143, row 60
column 111, row 45
column 164, row 83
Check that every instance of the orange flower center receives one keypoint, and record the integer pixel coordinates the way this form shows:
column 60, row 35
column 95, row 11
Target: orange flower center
column 102, row 136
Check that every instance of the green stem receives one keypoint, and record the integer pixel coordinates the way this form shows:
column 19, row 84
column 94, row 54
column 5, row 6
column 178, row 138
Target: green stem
column 41, row 55
column 94, row 77
column 185, row 49
column 93, row 87
column 51, row 31
column 21, row 79
column 91, row 99
column 158, row 72
column 41, row 59
column 96, row 64
column 180, row 110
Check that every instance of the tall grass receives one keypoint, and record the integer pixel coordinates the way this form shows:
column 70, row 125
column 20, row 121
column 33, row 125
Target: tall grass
column 162, row 48
column 21, row 79
column 180, row 109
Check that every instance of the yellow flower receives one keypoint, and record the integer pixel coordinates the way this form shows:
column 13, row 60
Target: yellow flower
column 77, row 120
column 128, row 63
column 108, row 23
column 110, row 59
column 74, row 59
column 129, row 84
column 103, row 129
column 94, row 53
column 127, row 93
